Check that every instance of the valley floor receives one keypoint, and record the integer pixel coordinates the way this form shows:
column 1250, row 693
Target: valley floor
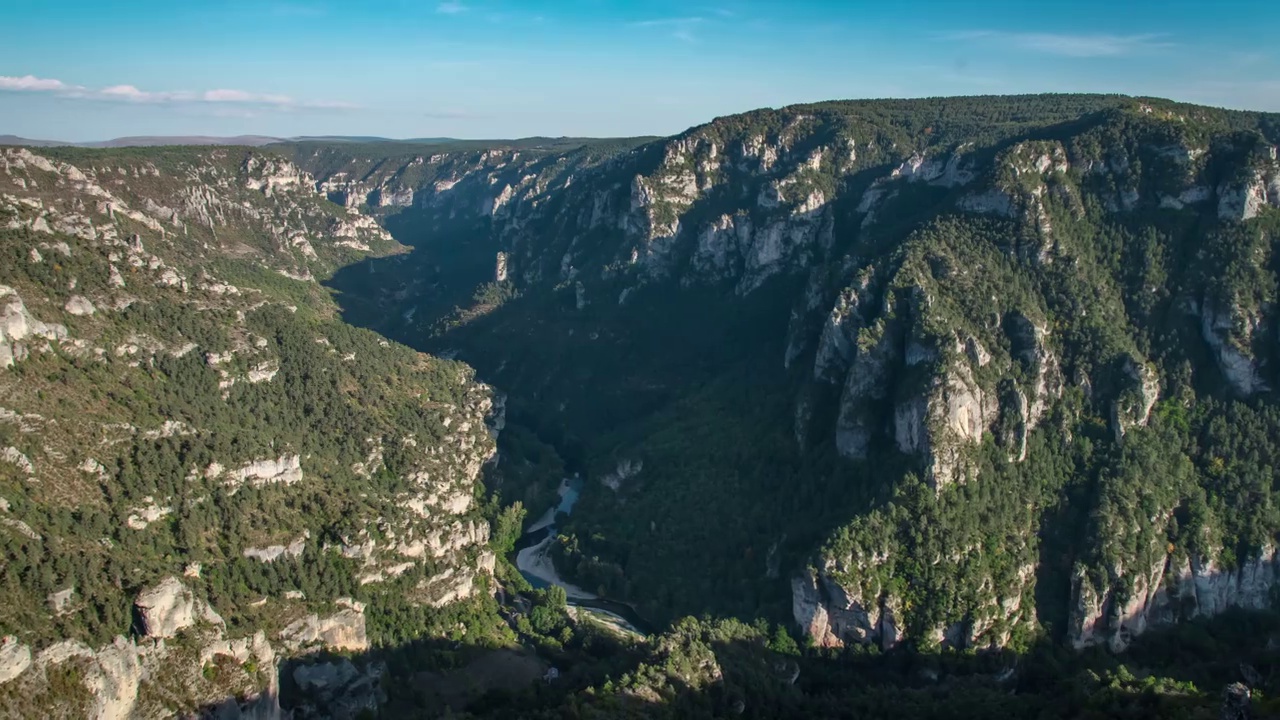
column 535, row 561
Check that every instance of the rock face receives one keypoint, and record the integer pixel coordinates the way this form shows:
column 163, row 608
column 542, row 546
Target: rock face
column 826, row 612
column 344, row 630
column 79, row 306
column 15, row 658
column 1133, row 406
column 940, row 423
column 1169, row 590
column 116, row 686
column 1259, row 189
column 286, row 469
column 115, row 675
column 1229, row 334
column 865, row 385
column 170, row 607
column 271, row 553
column 18, row 327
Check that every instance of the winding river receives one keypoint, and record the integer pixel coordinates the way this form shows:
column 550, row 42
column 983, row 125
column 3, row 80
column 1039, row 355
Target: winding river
column 533, row 559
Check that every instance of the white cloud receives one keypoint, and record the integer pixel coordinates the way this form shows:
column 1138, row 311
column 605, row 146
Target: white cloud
column 133, row 94
column 31, row 83
column 240, row 96
column 451, row 7
column 1089, row 45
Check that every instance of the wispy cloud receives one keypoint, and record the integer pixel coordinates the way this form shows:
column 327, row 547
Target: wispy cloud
column 31, row 83
column 680, row 28
column 133, row 94
column 1086, row 45
column 451, row 7
column 670, row 22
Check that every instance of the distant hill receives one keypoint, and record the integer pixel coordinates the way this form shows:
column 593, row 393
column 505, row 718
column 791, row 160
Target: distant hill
column 342, row 138
column 15, row 140
column 146, row 141
column 155, row 140
column 530, row 143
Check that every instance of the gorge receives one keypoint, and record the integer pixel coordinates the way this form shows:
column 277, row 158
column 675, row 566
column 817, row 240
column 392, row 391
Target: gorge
column 893, row 296
column 534, row 561
column 875, row 389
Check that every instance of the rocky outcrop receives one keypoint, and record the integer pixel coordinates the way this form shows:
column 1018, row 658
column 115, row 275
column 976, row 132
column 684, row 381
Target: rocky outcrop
column 1237, row 702
column 1229, row 333
column 117, row 676
column 837, row 345
column 1243, row 200
column 271, row 553
column 171, row 607
column 60, row 601
column 454, row 585
column 1134, row 404
column 112, row 675
column 1169, row 589
column 115, row 686
column 940, row 423
column 343, row 630
column 866, row 384
column 79, row 306
column 142, row 516
column 18, row 327
column 15, row 658
column 834, row 617
column 285, row 470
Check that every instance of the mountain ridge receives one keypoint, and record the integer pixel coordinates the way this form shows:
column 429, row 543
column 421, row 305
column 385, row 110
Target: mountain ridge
column 914, row 377
column 787, row 187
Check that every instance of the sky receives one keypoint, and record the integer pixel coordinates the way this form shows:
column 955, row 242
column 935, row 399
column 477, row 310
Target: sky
column 81, row 71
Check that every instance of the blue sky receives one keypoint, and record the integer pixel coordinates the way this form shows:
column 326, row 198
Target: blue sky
column 504, row 68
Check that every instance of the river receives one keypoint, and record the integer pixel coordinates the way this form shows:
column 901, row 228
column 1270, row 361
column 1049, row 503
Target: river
column 533, row 559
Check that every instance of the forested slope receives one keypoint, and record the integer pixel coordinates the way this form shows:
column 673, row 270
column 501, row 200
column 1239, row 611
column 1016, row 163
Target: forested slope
column 204, row 471
column 956, row 371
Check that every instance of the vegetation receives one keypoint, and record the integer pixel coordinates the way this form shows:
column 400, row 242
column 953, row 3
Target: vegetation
column 1111, row 335
column 686, row 381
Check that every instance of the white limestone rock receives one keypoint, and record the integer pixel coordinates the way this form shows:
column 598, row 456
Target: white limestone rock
column 344, row 630
column 15, row 457
column 170, row 607
column 1229, row 333
column 271, row 553
column 286, row 470
column 15, row 658
column 60, row 601
column 626, row 469
column 17, row 326
column 142, row 516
